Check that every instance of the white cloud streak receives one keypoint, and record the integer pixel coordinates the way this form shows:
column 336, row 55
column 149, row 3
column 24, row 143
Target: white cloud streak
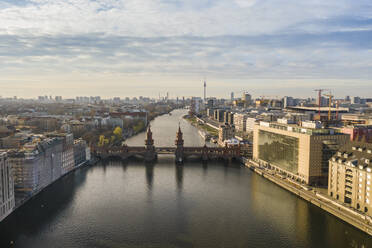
column 231, row 40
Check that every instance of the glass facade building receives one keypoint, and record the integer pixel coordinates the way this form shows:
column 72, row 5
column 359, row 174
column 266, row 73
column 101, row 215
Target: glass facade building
column 280, row 150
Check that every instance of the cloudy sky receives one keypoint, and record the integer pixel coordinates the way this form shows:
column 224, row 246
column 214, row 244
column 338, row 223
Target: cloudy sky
column 147, row 47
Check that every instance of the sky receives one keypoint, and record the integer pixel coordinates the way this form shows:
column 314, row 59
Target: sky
column 150, row 47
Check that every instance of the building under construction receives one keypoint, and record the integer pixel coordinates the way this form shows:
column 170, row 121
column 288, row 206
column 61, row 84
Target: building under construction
column 320, row 114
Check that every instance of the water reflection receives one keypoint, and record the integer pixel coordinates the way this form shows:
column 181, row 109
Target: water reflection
column 179, row 177
column 30, row 219
column 133, row 204
column 149, row 175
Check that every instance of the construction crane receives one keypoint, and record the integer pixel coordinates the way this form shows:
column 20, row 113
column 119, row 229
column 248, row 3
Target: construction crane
column 337, row 107
column 330, row 97
column 319, row 99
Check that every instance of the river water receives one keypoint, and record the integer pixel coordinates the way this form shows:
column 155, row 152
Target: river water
column 132, row 204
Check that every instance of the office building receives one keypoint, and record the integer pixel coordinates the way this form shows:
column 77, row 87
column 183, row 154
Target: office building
column 300, row 152
column 247, row 98
column 288, row 101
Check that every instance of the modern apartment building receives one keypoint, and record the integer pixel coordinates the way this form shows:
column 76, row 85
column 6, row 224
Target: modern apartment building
column 300, row 152
column 240, row 122
column 350, row 176
column 7, row 201
column 225, row 132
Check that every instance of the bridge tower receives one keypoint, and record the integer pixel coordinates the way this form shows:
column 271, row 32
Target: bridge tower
column 150, row 153
column 179, row 147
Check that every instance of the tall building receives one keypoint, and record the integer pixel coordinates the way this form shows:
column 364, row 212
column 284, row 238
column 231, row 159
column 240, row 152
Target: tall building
column 240, row 122
column 196, row 105
column 350, row 176
column 219, row 115
column 7, row 201
column 355, row 100
column 228, row 117
column 300, row 152
column 225, row 132
column 247, row 98
column 232, row 96
column 288, row 101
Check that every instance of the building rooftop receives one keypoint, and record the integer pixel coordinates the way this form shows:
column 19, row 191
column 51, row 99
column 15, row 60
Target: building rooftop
column 355, row 154
column 322, row 109
column 304, row 129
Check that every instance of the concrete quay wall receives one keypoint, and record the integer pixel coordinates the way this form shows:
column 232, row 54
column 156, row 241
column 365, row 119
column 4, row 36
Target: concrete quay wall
column 344, row 213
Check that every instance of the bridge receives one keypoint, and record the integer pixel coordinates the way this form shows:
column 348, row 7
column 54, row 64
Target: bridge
column 150, row 153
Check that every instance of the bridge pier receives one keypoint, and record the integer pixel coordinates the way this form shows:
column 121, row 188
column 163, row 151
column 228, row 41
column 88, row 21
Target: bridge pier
column 150, row 153
column 179, row 153
column 150, row 156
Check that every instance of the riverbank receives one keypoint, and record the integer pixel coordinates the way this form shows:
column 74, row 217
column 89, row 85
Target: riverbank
column 198, row 123
column 315, row 197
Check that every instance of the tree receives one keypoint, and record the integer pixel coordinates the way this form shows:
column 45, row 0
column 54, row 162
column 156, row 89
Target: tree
column 102, row 141
column 118, row 132
column 139, row 126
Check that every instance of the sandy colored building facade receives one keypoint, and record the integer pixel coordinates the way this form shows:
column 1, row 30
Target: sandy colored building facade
column 350, row 176
column 300, row 152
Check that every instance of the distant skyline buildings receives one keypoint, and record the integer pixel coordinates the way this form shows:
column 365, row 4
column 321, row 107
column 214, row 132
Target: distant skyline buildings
column 216, row 88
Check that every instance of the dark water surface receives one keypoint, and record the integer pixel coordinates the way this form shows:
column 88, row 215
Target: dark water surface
column 131, row 204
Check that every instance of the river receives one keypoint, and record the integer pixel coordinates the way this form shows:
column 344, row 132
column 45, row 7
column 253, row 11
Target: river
column 132, row 204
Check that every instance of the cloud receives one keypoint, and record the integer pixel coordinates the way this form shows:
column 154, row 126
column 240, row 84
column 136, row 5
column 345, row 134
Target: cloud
column 151, row 18
column 225, row 39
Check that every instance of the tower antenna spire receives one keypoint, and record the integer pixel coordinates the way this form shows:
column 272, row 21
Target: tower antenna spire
column 205, row 89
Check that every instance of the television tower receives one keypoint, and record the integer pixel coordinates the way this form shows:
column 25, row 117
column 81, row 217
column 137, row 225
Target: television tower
column 205, row 90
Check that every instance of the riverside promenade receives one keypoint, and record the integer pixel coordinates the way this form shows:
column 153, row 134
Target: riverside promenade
column 316, row 197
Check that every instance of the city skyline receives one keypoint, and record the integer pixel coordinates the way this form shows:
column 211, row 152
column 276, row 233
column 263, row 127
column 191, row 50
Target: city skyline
column 107, row 47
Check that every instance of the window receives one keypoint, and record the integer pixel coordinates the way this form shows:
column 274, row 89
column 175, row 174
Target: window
column 365, row 209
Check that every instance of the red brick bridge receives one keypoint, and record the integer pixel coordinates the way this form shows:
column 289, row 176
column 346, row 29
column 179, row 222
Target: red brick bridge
column 149, row 152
